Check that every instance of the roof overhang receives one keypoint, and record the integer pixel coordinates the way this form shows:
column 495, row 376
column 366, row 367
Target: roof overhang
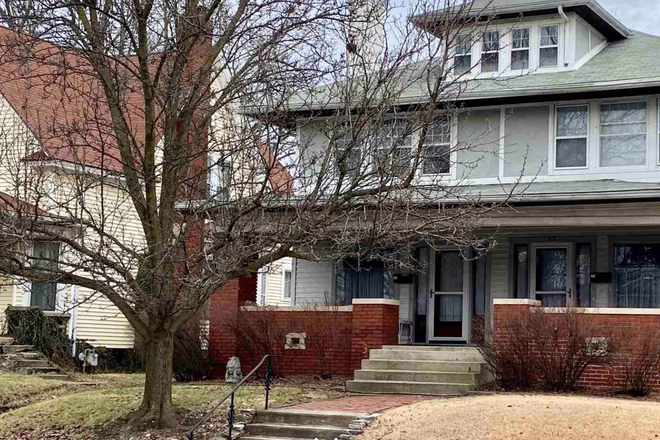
column 589, row 10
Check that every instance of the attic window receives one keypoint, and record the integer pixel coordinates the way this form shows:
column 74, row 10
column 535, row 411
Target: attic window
column 490, row 59
column 549, row 48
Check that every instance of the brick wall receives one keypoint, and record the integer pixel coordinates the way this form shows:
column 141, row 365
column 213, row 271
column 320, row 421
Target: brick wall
column 625, row 328
column 336, row 339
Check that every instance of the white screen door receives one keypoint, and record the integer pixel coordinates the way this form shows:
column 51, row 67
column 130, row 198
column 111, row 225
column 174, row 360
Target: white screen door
column 449, row 296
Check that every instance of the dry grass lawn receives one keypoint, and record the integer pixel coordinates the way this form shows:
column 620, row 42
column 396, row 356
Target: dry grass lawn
column 35, row 408
column 520, row 417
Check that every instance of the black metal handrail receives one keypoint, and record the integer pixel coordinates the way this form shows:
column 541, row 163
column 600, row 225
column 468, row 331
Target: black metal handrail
column 230, row 395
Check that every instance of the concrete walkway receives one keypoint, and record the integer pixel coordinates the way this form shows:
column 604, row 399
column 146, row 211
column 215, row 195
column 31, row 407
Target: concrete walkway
column 368, row 404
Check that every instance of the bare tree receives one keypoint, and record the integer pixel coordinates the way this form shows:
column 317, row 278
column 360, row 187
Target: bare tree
column 134, row 105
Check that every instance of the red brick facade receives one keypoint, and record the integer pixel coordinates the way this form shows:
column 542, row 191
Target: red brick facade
column 620, row 325
column 336, row 339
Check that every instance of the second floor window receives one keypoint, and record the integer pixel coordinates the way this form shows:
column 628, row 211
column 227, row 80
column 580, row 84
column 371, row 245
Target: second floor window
column 490, row 60
column 549, row 48
column 43, row 294
column 572, row 130
column 437, row 148
column 463, row 57
column 520, row 49
column 623, row 134
column 348, row 154
column 393, row 145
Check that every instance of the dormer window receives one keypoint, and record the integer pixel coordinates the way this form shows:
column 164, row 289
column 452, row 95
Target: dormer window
column 520, row 49
column 490, row 58
column 549, row 48
column 463, row 56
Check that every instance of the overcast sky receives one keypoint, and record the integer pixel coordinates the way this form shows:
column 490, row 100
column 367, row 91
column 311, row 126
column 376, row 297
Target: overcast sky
column 641, row 15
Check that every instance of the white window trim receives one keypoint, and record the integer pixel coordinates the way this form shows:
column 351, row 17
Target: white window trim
column 570, row 255
column 392, row 147
column 488, row 52
column 284, row 271
column 555, row 138
column 558, row 46
column 522, row 49
column 262, row 286
column 648, row 135
column 453, row 156
column 470, row 53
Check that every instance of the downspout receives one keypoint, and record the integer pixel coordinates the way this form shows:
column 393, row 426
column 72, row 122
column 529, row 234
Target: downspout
column 565, row 17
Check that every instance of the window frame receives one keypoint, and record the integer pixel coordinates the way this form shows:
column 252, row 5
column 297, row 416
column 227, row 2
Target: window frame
column 528, row 49
column 451, row 159
column 555, row 137
column 647, row 133
column 625, row 241
column 28, row 286
column 487, row 53
column 460, row 41
column 557, row 46
column 342, row 140
column 376, row 162
column 284, row 273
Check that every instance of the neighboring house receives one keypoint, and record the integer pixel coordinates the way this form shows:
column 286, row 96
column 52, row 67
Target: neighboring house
column 274, row 283
column 577, row 100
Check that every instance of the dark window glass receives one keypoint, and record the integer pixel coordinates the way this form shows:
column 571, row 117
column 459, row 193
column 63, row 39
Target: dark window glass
column 637, row 275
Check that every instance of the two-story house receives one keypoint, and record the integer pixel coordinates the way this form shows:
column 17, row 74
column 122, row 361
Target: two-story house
column 565, row 102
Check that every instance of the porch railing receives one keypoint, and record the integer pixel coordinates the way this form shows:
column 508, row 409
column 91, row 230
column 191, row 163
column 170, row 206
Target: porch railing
column 231, row 396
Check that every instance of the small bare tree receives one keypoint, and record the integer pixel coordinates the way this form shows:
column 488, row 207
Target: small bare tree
column 132, row 106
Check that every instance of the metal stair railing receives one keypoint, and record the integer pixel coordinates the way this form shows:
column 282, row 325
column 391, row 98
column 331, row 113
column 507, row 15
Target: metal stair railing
column 230, row 395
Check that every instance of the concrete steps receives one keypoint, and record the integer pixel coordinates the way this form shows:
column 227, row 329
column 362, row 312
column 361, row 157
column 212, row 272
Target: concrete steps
column 23, row 359
column 6, row 340
column 297, row 424
column 424, row 370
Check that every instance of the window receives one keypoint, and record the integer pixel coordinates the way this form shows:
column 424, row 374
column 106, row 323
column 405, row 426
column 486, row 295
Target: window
column 370, row 279
column 463, row 56
column 437, row 148
column 623, row 134
column 549, row 48
column 490, row 58
column 286, row 288
column 348, row 154
column 520, row 49
column 393, row 144
column 218, row 179
column 521, row 271
column 45, row 257
column 262, row 286
column 571, row 136
column 637, row 275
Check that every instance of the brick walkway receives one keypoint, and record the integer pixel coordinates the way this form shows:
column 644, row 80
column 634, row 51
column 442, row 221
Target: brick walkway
column 362, row 404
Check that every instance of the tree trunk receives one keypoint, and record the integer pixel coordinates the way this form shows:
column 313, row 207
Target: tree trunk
column 156, row 410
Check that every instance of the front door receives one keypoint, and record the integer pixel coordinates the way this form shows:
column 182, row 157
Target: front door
column 448, row 311
column 552, row 277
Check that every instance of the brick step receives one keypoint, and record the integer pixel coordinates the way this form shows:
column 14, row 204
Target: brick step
column 295, row 431
column 416, row 376
column 407, row 387
column 444, row 366
column 426, row 355
column 302, row 417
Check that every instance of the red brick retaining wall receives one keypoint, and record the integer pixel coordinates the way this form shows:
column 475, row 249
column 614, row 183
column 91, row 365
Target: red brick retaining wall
column 336, row 339
column 622, row 326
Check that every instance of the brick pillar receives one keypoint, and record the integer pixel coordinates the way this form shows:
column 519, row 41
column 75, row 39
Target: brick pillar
column 375, row 323
column 224, row 304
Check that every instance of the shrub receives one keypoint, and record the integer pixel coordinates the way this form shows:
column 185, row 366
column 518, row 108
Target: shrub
column 640, row 360
column 32, row 327
column 564, row 348
column 509, row 351
column 553, row 348
column 327, row 336
column 191, row 356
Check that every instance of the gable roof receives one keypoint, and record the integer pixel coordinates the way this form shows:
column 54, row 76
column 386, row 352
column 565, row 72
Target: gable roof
column 62, row 103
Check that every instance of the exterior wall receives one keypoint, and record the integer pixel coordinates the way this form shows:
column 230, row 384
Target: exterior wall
column 478, row 144
column 526, row 141
column 6, row 298
column 313, row 282
column 581, row 39
column 16, row 142
column 629, row 325
column 375, row 323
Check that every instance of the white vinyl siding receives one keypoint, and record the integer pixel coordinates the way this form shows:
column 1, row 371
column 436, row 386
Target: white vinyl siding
column 499, row 274
column 6, row 298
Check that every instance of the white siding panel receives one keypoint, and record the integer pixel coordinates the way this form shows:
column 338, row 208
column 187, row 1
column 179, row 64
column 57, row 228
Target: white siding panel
column 313, row 282
column 100, row 323
column 275, row 282
column 6, row 296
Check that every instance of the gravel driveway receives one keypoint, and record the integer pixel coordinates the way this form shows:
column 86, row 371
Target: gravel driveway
column 515, row 416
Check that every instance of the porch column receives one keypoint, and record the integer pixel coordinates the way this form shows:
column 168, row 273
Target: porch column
column 224, row 304
column 375, row 323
